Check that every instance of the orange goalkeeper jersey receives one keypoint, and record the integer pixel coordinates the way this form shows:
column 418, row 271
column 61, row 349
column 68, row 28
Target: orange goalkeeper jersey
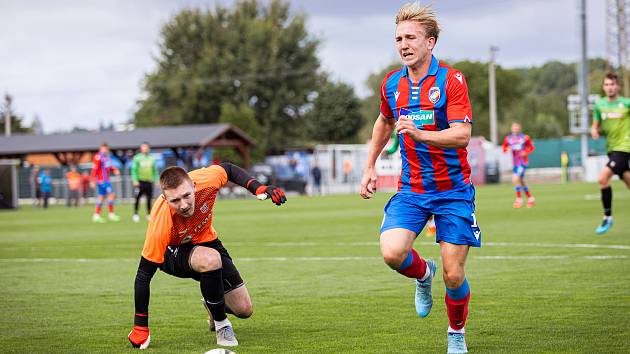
column 167, row 228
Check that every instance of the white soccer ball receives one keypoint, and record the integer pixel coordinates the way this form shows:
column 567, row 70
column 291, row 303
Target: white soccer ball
column 219, row 351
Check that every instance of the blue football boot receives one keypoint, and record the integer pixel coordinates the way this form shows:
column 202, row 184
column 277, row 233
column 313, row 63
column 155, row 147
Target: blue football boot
column 605, row 226
column 456, row 343
column 424, row 297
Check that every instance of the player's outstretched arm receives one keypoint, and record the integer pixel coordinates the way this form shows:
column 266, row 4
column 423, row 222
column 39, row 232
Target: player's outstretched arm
column 381, row 133
column 140, row 336
column 239, row 176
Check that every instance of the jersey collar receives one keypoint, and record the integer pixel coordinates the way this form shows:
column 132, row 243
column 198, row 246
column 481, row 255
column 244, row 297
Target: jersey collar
column 433, row 68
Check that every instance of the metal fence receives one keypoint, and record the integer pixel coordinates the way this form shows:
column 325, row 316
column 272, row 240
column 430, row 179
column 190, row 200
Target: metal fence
column 548, row 151
column 122, row 184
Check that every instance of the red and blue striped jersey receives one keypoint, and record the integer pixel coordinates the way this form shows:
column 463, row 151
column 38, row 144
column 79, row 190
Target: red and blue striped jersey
column 521, row 146
column 101, row 168
column 439, row 99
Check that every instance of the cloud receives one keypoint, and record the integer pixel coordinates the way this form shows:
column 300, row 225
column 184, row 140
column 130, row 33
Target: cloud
column 79, row 62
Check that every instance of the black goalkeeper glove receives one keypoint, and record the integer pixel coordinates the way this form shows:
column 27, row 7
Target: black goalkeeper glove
column 276, row 194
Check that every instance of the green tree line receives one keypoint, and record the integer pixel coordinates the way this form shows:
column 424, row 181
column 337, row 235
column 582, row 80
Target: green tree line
column 535, row 96
column 255, row 65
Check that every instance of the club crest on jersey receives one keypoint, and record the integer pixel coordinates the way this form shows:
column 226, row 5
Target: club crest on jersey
column 204, row 208
column 434, row 94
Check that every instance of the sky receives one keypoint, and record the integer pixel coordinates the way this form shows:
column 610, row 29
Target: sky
column 81, row 62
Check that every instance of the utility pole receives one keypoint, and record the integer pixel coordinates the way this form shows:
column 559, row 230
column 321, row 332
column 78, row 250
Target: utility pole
column 493, row 97
column 7, row 121
column 583, row 89
column 622, row 40
column 617, row 23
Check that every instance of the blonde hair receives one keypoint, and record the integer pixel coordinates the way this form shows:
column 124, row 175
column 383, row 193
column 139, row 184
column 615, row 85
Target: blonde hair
column 422, row 14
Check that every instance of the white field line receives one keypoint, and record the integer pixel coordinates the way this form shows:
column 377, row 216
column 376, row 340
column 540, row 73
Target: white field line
column 348, row 244
column 376, row 243
column 299, row 259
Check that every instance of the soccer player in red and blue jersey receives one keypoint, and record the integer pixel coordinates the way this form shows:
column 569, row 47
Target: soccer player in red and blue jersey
column 427, row 103
column 521, row 146
column 102, row 168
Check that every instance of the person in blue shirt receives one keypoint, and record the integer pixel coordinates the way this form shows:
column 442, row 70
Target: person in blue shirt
column 45, row 183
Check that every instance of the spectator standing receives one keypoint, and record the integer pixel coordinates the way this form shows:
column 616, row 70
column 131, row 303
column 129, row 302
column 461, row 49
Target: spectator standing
column 73, row 179
column 85, row 185
column 316, row 172
column 45, row 182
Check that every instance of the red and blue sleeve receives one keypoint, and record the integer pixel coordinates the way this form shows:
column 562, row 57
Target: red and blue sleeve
column 529, row 145
column 458, row 109
column 96, row 166
column 386, row 110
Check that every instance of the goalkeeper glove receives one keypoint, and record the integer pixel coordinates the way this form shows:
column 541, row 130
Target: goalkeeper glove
column 276, row 194
column 139, row 337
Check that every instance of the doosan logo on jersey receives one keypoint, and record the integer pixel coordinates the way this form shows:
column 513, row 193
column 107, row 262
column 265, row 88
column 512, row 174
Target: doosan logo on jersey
column 422, row 116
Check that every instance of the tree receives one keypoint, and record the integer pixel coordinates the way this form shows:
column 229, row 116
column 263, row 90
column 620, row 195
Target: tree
column 17, row 121
column 335, row 115
column 370, row 105
column 535, row 96
column 253, row 54
column 243, row 117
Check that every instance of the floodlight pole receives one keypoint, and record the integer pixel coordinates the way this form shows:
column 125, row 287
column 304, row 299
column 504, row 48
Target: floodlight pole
column 493, row 96
column 583, row 81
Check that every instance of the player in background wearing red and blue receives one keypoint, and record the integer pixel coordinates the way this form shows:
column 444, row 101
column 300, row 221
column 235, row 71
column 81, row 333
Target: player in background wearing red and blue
column 102, row 168
column 427, row 103
column 521, row 146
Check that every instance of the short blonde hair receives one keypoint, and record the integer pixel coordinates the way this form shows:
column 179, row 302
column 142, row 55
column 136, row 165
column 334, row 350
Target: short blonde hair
column 423, row 14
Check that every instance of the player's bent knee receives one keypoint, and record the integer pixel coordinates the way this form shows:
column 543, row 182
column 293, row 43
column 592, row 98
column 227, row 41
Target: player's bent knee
column 245, row 311
column 206, row 259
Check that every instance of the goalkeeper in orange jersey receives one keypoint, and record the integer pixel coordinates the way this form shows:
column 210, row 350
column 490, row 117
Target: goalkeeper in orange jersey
column 181, row 241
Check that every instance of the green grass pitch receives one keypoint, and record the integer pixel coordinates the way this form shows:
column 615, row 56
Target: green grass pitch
column 542, row 283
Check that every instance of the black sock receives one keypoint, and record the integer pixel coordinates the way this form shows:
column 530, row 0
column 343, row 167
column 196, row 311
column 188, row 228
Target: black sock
column 211, row 284
column 607, row 200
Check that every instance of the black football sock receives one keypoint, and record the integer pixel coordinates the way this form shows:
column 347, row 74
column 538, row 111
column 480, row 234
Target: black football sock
column 607, row 200
column 211, row 284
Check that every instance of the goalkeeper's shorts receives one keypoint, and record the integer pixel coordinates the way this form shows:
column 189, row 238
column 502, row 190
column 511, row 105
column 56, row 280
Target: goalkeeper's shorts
column 177, row 263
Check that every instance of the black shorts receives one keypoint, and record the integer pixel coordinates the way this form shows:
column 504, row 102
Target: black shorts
column 619, row 162
column 177, row 263
column 145, row 188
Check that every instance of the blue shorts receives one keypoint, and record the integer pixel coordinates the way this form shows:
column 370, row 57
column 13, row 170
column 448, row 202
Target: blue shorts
column 104, row 188
column 454, row 213
column 520, row 170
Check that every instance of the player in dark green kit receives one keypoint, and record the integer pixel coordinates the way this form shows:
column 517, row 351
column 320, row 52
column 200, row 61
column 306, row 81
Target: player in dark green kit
column 143, row 173
column 612, row 119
